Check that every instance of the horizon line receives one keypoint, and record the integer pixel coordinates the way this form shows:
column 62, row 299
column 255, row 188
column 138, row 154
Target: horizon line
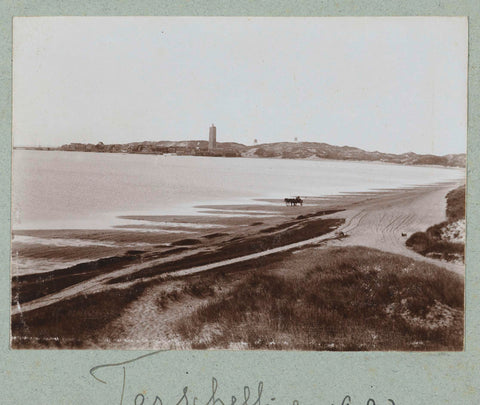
column 247, row 145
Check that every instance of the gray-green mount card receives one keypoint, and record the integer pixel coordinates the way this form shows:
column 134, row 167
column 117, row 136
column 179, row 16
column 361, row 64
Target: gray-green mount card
column 256, row 202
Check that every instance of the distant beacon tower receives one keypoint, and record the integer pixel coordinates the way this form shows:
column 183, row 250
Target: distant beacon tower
column 212, row 138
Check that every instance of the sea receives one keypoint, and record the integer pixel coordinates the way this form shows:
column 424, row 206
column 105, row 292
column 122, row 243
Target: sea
column 78, row 190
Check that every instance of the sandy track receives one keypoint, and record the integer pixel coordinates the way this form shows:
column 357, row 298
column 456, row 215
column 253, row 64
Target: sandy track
column 380, row 222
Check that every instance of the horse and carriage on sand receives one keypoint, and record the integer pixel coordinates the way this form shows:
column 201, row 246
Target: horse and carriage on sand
column 293, row 201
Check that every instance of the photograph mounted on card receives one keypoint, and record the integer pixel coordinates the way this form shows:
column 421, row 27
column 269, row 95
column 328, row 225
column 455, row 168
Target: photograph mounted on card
column 239, row 183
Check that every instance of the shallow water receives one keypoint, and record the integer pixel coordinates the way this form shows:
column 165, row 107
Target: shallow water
column 76, row 190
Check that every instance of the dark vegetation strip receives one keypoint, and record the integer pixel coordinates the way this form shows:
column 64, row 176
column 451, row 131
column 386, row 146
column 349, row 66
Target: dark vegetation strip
column 77, row 322
column 186, row 242
column 240, row 247
column 431, row 242
column 215, row 235
column 32, row 286
column 319, row 214
column 26, row 288
column 355, row 298
column 297, row 220
column 70, row 323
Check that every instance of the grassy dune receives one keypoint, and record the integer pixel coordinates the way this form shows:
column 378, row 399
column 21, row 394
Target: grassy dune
column 74, row 323
column 456, row 204
column 432, row 242
column 337, row 298
column 354, row 299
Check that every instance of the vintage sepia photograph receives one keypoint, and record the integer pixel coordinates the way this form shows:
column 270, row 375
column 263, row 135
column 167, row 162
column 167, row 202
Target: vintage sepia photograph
column 239, row 183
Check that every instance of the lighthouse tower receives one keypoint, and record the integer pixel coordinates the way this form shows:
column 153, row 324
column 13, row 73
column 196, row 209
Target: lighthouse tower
column 212, row 138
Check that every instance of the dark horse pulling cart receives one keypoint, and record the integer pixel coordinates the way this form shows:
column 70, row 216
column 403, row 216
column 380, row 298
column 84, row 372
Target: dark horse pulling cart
column 293, row 201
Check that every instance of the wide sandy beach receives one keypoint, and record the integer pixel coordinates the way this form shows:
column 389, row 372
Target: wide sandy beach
column 248, row 237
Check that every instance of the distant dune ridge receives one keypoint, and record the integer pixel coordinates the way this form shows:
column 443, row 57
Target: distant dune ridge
column 285, row 150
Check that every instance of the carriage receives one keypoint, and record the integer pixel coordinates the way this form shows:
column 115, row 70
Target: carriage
column 293, row 201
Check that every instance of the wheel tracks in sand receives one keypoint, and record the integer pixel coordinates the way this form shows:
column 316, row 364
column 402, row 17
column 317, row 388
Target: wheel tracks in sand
column 381, row 223
column 352, row 222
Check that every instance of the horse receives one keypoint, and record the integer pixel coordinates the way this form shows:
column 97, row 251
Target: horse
column 293, row 201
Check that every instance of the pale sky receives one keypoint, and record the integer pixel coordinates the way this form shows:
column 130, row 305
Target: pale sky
column 388, row 84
